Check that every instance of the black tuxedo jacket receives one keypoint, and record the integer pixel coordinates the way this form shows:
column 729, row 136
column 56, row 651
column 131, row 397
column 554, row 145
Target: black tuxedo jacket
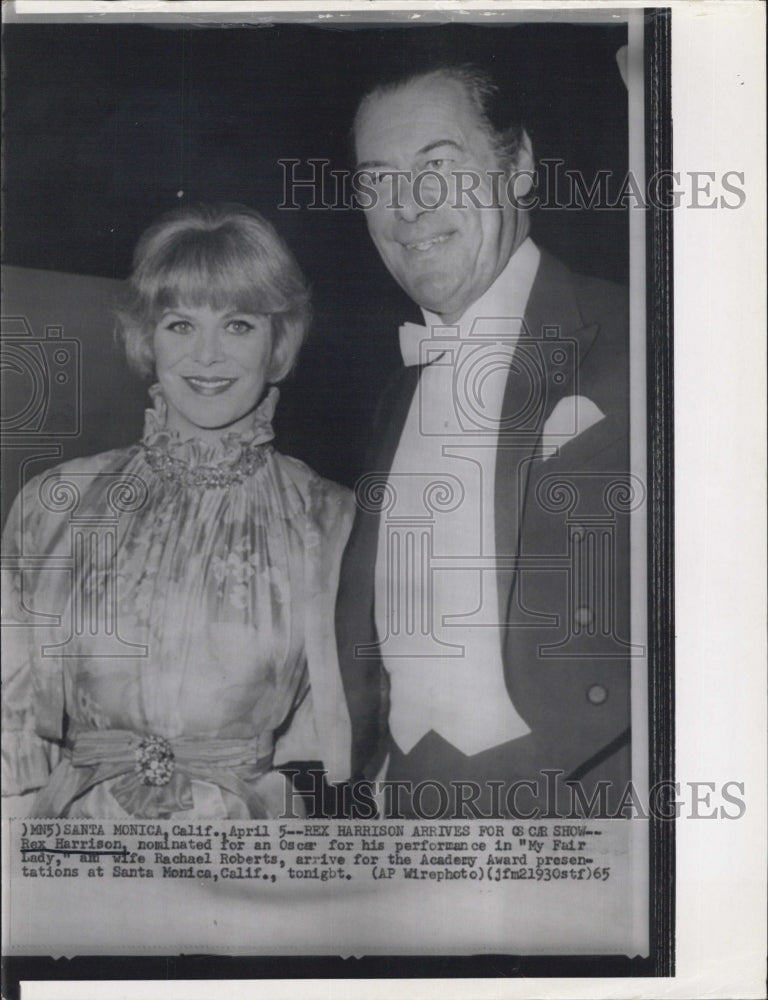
column 563, row 523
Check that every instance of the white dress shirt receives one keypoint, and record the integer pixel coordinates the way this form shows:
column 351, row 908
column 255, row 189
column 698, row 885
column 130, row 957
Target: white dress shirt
column 436, row 601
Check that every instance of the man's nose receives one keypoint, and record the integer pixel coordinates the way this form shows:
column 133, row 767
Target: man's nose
column 409, row 203
column 207, row 347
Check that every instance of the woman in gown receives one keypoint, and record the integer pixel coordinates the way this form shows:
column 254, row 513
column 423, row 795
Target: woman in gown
column 169, row 640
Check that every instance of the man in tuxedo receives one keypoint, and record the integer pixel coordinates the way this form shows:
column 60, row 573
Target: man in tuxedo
column 483, row 615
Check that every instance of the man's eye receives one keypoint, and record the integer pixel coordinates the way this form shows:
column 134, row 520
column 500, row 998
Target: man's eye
column 378, row 178
column 239, row 326
column 440, row 165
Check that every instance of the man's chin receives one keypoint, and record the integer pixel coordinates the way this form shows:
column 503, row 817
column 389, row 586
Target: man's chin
column 436, row 295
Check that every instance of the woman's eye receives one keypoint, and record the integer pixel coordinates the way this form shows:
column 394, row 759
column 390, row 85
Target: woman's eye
column 436, row 164
column 239, row 326
column 179, row 326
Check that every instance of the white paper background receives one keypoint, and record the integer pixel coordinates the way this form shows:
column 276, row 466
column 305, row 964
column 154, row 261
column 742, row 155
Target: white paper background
column 718, row 111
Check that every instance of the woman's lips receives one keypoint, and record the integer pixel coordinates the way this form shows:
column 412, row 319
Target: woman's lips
column 208, row 385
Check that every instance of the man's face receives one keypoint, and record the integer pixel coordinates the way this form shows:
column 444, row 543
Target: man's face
column 446, row 256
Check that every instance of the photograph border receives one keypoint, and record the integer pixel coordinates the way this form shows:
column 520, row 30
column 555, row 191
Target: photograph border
column 660, row 547
column 660, row 478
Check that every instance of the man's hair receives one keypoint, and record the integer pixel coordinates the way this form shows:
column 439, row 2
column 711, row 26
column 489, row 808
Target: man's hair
column 483, row 94
column 221, row 256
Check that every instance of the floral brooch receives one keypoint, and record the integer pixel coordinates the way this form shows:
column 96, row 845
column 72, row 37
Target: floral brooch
column 154, row 760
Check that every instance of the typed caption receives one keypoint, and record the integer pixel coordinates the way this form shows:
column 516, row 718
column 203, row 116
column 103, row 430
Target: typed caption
column 265, row 853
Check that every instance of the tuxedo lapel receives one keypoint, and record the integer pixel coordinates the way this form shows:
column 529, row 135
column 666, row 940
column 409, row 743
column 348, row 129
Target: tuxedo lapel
column 394, row 411
column 360, row 555
column 538, row 379
column 363, row 678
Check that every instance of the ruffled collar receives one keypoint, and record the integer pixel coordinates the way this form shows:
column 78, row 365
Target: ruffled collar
column 197, row 462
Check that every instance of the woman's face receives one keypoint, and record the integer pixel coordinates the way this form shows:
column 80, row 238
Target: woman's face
column 212, row 365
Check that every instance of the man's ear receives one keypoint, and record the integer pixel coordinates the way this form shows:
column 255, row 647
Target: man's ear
column 522, row 170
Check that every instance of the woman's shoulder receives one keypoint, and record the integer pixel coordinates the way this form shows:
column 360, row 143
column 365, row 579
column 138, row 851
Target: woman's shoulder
column 56, row 488
column 85, row 465
column 314, row 491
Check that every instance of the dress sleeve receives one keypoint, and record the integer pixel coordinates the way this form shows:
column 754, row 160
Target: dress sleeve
column 329, row 514
column 27, row 758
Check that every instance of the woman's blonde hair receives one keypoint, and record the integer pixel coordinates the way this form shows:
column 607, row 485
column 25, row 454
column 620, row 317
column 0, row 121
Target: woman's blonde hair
column 222, row 256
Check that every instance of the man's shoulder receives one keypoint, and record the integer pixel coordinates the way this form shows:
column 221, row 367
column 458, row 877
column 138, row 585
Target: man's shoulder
column 600, row 299
column 595, row 298
column 594, row 314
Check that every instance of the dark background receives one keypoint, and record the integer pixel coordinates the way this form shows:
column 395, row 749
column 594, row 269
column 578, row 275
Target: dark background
column 106, row 124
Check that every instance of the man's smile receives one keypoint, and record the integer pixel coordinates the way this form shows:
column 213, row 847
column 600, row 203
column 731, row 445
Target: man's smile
column 422, row 246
